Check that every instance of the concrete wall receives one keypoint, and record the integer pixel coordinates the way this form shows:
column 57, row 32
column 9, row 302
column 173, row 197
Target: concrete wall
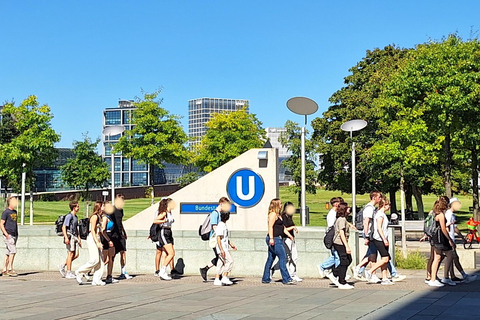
column 212, row 187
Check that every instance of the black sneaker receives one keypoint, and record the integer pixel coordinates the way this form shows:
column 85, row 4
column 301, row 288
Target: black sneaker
column 457, row 279
column 203, row 273
column 290, row 283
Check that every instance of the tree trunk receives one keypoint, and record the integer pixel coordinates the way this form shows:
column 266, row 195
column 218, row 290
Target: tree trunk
column 408, row 197
column 475, row 181
column 447, row 172
column 393, row 200
column 417, row 193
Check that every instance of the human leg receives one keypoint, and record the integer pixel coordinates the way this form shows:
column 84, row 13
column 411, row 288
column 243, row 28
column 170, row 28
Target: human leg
column 266, row 278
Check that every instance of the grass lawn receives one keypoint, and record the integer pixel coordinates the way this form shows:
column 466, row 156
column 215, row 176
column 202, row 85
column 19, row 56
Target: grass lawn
column 46, row 212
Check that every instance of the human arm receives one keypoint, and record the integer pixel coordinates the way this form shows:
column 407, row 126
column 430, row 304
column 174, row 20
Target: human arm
column 366, row 223
column 161, row 218
column 341, row 233
column 271, row 222
column 2, row 227
column 380, row 231
column 65, row 235
column 93, row 230
column 232, row 245
column 352, row 226
column 104, row 231
column 219, row 244
column 287, row 233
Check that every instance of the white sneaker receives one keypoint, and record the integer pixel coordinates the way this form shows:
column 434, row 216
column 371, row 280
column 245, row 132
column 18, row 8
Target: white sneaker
column 297, row 278
column 345, row 286
column 164, row 276
column 399, row 277
column 449, row 281
column 61, row 268
column 226, row 281
column 375, row 279
column 368, row 275
column 333, row 279
column 356, row 272
column 79, row 277
column 347, row 277
column 70, row 275
column 470, row 278
column 217, row 282
column 321, row 272
column 100, row 284
column 386, row 282
column 435, row 283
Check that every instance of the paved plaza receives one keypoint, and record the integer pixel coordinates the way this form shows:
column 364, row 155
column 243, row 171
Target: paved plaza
column 44, row 295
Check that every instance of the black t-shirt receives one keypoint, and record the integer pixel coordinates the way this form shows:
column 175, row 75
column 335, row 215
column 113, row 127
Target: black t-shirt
column 10, row 217
column 288, row 222
column 117, row 216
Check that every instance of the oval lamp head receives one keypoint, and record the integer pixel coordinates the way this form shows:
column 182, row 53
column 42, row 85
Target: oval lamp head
column 354, row 125
column 113, row 130
column 302, row 105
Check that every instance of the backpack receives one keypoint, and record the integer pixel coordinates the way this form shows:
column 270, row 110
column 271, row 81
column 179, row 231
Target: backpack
column 59, row 225
column 329, row 237
column 205, row 229
column 359, row 217
column 84, row 228
column 430, row 228
column 110, row 223
column 154, row 230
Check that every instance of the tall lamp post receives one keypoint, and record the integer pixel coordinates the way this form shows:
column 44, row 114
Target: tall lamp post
column 303, row 106
column 351, row 126
column 113, row 131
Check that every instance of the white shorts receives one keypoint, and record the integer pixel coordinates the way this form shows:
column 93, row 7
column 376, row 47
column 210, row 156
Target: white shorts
column 73, row 245
column 10, row 244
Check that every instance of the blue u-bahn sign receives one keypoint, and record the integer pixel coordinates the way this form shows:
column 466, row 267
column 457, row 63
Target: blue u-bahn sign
column 245, row 188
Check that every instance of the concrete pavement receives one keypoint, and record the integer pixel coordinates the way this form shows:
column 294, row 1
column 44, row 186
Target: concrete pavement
column 44, row 295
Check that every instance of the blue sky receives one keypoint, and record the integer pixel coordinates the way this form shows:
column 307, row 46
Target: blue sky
column 80, row 57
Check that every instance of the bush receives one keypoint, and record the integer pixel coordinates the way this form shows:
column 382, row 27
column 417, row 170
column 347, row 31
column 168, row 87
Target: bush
column 414, row 260
column 47, row 197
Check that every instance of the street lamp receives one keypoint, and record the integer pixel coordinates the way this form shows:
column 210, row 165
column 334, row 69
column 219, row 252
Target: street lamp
column 113, row 131
column 303, row 106
column 351, row 126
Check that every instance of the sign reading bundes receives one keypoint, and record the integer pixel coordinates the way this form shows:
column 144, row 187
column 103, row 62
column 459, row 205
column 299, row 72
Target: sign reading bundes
column 200, row 208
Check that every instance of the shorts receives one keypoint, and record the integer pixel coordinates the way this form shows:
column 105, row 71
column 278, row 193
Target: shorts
column 382, row 249
column 120, row 244
column 73, row 245
column 166, row 237
column 372, row 249
column 104, row 241
column 11, row 244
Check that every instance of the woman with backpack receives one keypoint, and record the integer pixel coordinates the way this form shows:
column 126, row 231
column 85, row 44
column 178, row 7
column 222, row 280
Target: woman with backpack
column 108, row 246
column 165, row 242
column 276, row 232
column 340, row 243
column 95, row 263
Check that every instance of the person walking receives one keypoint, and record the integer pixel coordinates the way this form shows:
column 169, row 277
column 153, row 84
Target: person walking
column 119, row 235
column 71, row 239
column 95, row 263
column 225, row 205
column 165, row 220
column 326, row 267
column 225, row 260
column 9, row 227
column 108, row 246
column 289, row 242
column 340, row 243
column 276, row 232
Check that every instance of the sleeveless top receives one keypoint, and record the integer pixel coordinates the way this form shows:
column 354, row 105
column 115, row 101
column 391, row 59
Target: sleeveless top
column 169, row 222
column 440, row 241
column 278, row 228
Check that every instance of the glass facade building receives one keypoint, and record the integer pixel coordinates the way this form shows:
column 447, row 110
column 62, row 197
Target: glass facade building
column 273, row 134
column 201, row 110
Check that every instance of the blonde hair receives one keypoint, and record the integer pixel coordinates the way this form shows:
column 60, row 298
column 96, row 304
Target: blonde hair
column 275, row 206
column 383, row 202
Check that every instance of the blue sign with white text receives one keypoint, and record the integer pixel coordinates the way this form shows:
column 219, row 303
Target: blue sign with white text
column 245, row 188
column 199, row 208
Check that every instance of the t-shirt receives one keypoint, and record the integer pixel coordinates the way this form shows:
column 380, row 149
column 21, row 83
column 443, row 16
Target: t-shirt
column 222, row 231
column 340, row 224
column 331, row 217
column 71, row 222
column 169, row 221
column 450, row 216
column 368, row 212
column 117, row 216
column 10, row 218
column 384, row 226
column 214, row 219
column 288, row 222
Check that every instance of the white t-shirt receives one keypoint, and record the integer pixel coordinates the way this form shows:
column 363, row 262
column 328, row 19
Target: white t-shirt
column 368, row 213
column 450, row 216
column 222, row 231
column 331, row 217
column 169, row 222
column 384, row 226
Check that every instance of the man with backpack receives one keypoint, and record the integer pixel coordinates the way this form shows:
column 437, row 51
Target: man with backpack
column 225, row 205
column 325, row 268
column 71, row 239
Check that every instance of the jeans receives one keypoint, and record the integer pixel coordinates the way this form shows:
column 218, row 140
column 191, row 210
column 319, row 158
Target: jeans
column 391, row 268
column 277, row 250
column 332, row 261
column 292, row 257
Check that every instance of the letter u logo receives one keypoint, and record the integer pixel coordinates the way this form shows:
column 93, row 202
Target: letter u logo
column 251, row 188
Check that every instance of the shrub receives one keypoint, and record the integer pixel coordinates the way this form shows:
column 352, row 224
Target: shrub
column 415, row 260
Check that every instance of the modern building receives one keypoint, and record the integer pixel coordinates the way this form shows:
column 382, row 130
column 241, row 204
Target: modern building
column 50, row 178
column 273, row 135
column 201, row 110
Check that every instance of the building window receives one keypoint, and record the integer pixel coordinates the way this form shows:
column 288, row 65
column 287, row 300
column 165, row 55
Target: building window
column 118, row 164
column 126, row 164
column 117, row 179
column 136, row 166
column 113, row 117
column 139, row 179
column 125, row 179
column 127, row 116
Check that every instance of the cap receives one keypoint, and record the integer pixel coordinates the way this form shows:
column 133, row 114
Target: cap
column 393, row 216
column 452, row 200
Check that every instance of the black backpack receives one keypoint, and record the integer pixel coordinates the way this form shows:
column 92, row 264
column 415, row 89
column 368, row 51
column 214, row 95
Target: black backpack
column 84, row 228
column 329, row 237
column 359, row 218
column 59, row 225
column 154, row 232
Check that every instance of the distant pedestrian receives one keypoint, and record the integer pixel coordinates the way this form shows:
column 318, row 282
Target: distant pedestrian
column 340, row 243
column 327, row 266
column 165, row 220
column 71, row 239
column 289, row 242
column 108, row 246
column 276, row 233
column 8, row 225
column 119, row 235
column 95, row 262
column 224, row 204
column 225, row 260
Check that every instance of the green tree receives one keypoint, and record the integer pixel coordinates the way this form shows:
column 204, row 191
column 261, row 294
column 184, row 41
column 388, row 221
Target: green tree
column 187, row 178
column 228, row 136
column 157, row 136
column 87, row 169
column 291, row 139
column 26, row 137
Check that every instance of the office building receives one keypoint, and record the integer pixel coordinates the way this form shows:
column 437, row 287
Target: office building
column 273, row 135
column 201, row 110
column 48, row 179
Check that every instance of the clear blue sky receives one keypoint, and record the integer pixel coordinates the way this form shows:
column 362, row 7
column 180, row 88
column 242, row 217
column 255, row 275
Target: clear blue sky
column 82, row 56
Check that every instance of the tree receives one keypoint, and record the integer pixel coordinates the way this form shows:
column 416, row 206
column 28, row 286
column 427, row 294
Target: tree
column 187, row 178
column 156, row 137
column 228, row 136
column 291, row 139
column 26, row 137
column 87, row 169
